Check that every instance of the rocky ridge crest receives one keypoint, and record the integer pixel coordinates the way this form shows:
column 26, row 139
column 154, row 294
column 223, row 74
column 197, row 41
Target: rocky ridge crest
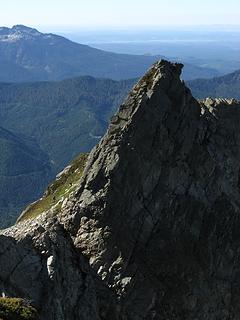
column 151, row 230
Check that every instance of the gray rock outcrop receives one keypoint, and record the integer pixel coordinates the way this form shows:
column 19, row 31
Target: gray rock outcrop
column 152, row 229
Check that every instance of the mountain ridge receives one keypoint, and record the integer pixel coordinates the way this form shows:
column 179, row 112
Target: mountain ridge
column 71, row 108
column 29, row 55
column 151, row 230
column 32, row 99
column 227, row 86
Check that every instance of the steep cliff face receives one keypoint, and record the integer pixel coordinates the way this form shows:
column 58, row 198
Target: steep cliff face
column 151, row 228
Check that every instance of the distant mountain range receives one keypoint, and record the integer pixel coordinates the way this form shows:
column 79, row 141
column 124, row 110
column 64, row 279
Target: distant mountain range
column 227, row 86
column 29, row 55
column 65, row 117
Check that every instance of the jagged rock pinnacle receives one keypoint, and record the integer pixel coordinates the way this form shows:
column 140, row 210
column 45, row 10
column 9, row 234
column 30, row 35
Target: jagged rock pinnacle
column 151, row 231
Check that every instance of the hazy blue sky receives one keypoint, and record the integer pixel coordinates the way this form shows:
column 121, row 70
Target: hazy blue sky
column 103, row 13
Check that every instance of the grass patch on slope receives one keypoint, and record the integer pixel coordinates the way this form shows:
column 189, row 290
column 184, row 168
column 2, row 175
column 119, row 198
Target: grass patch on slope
column 60, row 189
column 16, row 309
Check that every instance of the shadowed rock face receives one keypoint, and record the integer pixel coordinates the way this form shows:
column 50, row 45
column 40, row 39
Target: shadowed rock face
column 152, row 229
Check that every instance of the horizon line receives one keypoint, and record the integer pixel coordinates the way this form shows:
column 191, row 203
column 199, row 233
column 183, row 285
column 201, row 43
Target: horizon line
column 123, row 27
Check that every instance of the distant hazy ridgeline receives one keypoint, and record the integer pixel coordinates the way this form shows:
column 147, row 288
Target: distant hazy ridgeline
column 28, row 55
column 65, row 117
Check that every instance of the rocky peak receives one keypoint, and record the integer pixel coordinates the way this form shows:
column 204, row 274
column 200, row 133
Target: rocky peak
column 124, row 170
column 18, row 32
column 151, row 228
column 24, row 29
